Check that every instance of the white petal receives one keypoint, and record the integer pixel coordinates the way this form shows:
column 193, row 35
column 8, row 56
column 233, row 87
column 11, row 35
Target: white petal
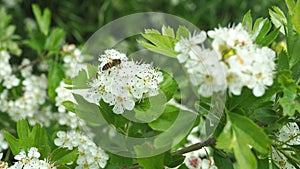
column 182, row 57
column 259, row 90
column 118, row 109
column 128, row 104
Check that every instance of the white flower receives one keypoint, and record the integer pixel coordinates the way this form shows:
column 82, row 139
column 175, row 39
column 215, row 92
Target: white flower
column 290, row 134
column 74, row 57
column 225, row 39
column 233, row 62
column 207, row 164
column 3, row 165
column 11, row 81
column 280, row 160
column 3, row 143
column 110, row 55
column 31, row 160
column 67, row 140
column 73, row 60
column 6, row 69
column 123, row 84
column 185, row 46
column 193, row 162
column 89, row 154
column 26, row 68
column 63, row 94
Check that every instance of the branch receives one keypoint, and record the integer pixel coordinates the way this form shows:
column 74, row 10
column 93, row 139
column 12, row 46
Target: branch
column 190, row 148
column 194, row 147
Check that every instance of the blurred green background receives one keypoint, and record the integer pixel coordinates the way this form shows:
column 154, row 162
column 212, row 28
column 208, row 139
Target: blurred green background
column 81, row 18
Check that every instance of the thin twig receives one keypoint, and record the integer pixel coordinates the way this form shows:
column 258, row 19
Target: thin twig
column 194, row 147
column 190, row 148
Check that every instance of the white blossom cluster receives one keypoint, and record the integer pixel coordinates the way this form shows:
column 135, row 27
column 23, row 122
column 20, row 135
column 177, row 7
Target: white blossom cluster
column 65, row 117
column 29, row 104
column 73, row 60
column 122, row 84
column 90, row 155
column 234, row 61
column 30, row 160
column 197, row 159
column 9, row 80
column 289, row 134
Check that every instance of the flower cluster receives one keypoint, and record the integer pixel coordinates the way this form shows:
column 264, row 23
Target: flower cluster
column 73, row 60
column 29, row 104
column 121, row 82
column 31, row 160
column 233, row 62
column 10, row 80
column 194, row 162
column 90, row 155
column 73, row 63
column 3, row 164
column 197, row 159
column 65, row 117
column 288, row 135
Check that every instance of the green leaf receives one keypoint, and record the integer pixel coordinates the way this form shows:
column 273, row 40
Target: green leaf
column 152, row 31
column 70, row 106
column 266, row 114
column 150, row 108
column 83, row 78
column 167, row 31
column 173, row 160
column 291, row 5
column 292, row 42
column 240, row 132
column 23, row 129
column 36, row 42
column 92, row 70
column 63, row 155
column 244, row 156
column 247, row 20
column 278, row 18
column 283, row 61
column 13, row 142
column 169, row 85
column 119, row 161
column 55, row 40
column 152, row 162
column 268, row 39
column 258, row 24
column 37, row 137
column 55, row 75
column 87, row 111
column 288, row 101
column 264, row 36
column 182, row 32
column 162, row 43
column 43, row 20
column 296, row 17
column 293, row 52
column 223, row 162
column 79, row 82
column 156, row 46
column 177, row 131
column 166, row 119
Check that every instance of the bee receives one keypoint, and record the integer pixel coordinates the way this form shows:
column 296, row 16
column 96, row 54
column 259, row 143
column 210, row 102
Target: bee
column 111, row 63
